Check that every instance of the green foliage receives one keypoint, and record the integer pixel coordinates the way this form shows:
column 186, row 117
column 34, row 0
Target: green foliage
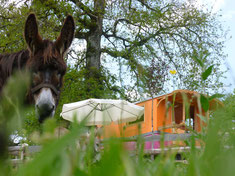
column 229, row 103
column 77, row 87
column 31, row 124
column 12, row 27
column 132, row 34
column 63, row 156
column 204, row 102
column 12, row 99
column 12, row 111
column 140, row 47
column 207, row 72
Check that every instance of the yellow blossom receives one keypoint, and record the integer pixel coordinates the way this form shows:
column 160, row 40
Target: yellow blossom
column 173, row 72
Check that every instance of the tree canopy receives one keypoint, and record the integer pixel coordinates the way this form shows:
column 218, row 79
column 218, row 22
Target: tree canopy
column 137, row 41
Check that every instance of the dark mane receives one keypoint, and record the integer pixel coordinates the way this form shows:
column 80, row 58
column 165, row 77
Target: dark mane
column 47, row 56
column 10, row 62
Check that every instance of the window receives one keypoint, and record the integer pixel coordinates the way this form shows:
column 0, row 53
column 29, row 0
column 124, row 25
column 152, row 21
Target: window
column 178, row 113
column 190, row 120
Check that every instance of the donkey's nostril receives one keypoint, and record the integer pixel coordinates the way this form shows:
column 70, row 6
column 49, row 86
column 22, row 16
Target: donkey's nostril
column 45, row 110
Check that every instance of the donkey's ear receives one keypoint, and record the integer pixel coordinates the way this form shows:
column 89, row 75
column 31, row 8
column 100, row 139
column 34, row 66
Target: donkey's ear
column 65, row 39
column 32, row 37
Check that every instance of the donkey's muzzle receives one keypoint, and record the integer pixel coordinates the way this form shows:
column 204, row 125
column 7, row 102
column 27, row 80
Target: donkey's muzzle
column 45, row 104
column 45, row 110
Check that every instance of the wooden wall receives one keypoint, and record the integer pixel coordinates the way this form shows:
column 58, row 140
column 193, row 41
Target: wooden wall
column 162, row 117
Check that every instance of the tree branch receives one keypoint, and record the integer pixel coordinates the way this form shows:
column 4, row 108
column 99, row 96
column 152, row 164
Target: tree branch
column 80, row 35
column 85, row 9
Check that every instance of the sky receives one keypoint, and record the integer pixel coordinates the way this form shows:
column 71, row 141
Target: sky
column 227, row 9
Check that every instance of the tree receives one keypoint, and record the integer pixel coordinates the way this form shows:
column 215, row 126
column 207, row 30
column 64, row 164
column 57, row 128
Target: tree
column 130, row 34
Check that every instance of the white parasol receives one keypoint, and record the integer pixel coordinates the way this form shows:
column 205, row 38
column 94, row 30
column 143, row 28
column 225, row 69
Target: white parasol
column 102, row 111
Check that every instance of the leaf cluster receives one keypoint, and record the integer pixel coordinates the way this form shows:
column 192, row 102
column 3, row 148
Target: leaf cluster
column 63, row 156
column 133, row 34
column 76, row 87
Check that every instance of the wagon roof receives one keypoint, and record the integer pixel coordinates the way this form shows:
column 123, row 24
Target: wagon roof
column 179, row 97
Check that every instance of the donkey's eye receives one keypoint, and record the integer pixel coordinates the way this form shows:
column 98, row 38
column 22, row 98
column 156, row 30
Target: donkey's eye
column 36, row 75
column 56, row 79
column 36, row 78
column 58, row 76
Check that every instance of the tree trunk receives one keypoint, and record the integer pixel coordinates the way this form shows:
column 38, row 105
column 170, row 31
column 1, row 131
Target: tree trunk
column 94, row 86
column 94, row 38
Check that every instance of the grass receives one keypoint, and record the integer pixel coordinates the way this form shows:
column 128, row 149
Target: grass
column 63, row 157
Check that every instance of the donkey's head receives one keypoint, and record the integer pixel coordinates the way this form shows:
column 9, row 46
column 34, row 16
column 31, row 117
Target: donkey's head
column 47, row 65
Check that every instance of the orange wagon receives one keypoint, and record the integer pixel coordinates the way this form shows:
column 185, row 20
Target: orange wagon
column 177, row 112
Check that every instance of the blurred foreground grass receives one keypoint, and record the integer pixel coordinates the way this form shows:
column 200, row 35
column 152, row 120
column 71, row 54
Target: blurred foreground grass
column 63, row 157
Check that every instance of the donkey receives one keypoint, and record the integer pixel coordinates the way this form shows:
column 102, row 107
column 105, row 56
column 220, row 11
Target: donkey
column 45, row 61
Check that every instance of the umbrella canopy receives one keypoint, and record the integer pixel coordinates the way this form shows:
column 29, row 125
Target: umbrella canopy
column 102, row 111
